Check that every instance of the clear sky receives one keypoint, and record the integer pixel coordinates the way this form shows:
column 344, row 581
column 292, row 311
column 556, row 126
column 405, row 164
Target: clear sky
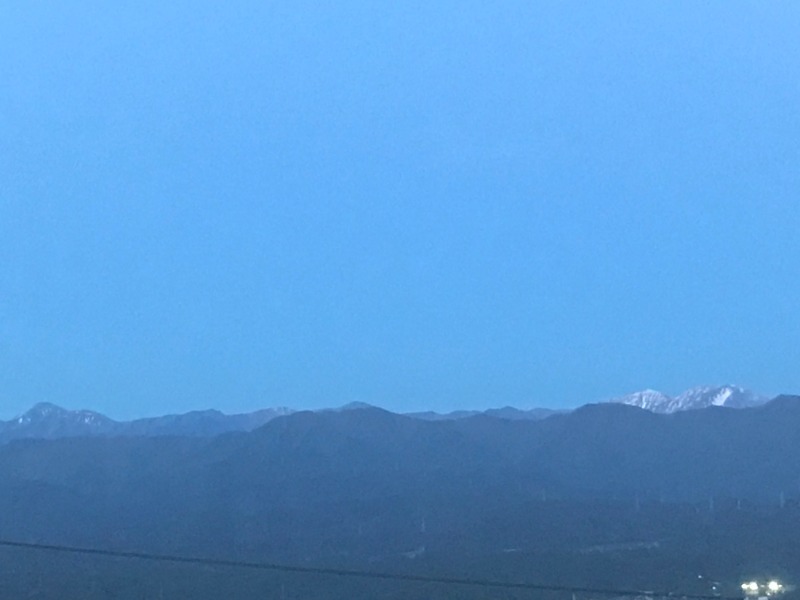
column 415, row 204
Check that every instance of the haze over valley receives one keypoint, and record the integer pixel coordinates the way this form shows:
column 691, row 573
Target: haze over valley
column 606, row 495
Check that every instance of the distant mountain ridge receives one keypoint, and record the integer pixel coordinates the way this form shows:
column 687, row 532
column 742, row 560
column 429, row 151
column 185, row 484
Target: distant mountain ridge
column 695, row 398
column 506, row 412
column 49, row 421
column 376, row 485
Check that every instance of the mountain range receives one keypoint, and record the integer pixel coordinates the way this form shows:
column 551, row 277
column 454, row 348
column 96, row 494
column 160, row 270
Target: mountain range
column 605, row 495
column 694, row 398
column 48, row 421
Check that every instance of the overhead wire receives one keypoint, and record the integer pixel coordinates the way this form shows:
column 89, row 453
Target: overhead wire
column 332, row 571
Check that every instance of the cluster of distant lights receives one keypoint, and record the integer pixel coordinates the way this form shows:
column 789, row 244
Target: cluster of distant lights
column 771, row 587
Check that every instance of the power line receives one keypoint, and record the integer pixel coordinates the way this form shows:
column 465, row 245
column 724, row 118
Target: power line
column 265, row 566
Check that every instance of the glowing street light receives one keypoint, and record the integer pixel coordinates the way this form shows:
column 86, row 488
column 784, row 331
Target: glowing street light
column 762, row 590
column 774, row 587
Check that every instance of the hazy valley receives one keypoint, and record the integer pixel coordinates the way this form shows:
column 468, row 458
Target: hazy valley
column 578, row 497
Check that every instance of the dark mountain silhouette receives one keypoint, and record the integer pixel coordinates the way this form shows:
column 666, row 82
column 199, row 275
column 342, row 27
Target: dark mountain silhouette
column 48, row 421
column 506, row 412
column 582, row 495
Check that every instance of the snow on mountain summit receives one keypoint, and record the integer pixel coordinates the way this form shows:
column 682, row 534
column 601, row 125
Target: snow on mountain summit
column 56, row 416
column 694, row 398
column 647, row 399
column 727, row 395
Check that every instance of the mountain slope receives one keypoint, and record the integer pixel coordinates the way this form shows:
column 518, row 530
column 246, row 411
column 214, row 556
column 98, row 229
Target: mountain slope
column 48, row 421
column 371, row 488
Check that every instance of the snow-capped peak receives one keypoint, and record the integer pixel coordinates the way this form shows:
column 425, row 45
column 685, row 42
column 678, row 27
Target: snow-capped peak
column 732, row 396
column 647, row 399
column 39, row 411
column 51, row 415
column 697, row 397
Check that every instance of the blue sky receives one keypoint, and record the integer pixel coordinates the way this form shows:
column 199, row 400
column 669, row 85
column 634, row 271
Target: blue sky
column 418, row 205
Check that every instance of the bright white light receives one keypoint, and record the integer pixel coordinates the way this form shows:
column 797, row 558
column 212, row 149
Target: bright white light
column 774, row 586
column 753, row 586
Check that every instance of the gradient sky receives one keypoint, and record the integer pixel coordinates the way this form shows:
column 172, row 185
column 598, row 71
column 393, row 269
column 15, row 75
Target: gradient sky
column 413, row 204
